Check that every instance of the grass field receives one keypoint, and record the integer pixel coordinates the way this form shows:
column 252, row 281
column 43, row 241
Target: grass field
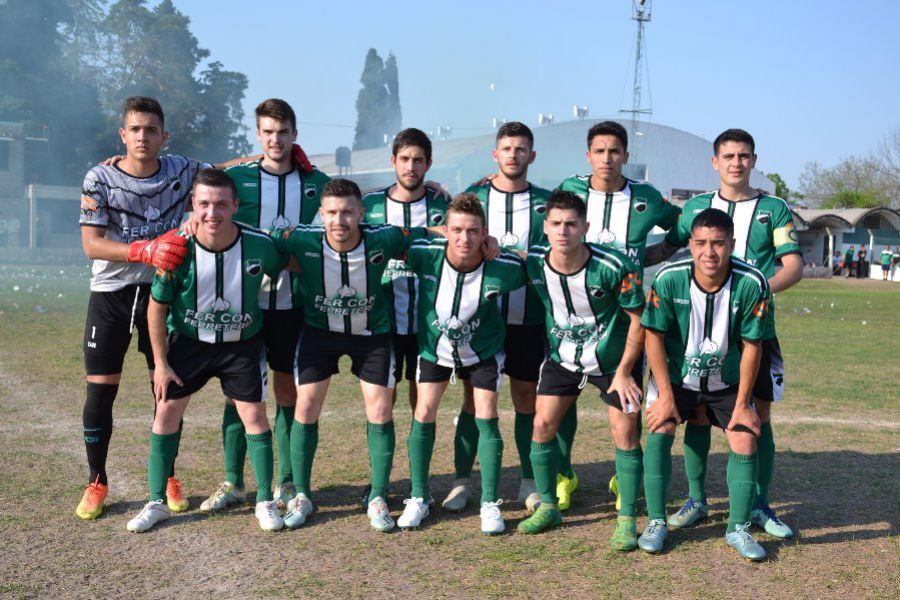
column 837, row 481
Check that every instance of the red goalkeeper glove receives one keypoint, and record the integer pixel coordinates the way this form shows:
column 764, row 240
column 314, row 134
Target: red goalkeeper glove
column 301, row 159
column 165, row 252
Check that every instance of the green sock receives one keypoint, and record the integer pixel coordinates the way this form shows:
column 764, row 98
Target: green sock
column 566, row 436
column 234, row 441
column 259, row 445
column 420, row 445
column 742, row 472
column 697, row 439
column 545, row 459
column 163, row 449
column 657, row 472
column 629, row 468
column 180, row 429
column 304, row 439
column 284, row 419
column 465, row 444
column 765, row 450
column 490, row 457
column 524, row 428
column 382, row 439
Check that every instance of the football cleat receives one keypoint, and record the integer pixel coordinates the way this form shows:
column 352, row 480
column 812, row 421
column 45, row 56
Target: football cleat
column 298, row 509
column 491, row 518
column 654, row 537
column 564, row 488
column 763, row 516
column 415, row 512
column 92, row 501
column 741, row 540
column 614, row 490
column 529, row 495
column 226, row 495
column 152, row 513
column 284, row 493
column 268, row 516
column 625, row 537
column 175, row 497
column 691, row 512
column 545, row 517
column 379, row 515
column 458, row 497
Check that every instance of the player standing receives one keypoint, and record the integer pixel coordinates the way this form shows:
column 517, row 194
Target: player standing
column 764, row 233
column 126, row 210
column 621, row 214
column 705, row 321
column 214, row 322
column 276, row 191
column 461, row 334
column 514, row 210
column 593, row 300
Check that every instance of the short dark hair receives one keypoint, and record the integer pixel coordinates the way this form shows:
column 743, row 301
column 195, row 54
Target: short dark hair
column 734, row 135
column 467, row 203
column 340, row 188
column 516, row 129
column 412, row 137
column 563, row 200
column 276, row 108
column 143, row 104
column 214, row 178
column 608, row 128
column 714, row 218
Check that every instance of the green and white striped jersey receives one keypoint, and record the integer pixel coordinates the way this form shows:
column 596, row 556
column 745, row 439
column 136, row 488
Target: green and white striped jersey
column 342, row 291
column 585, row 311
column 623, row 219
column 517, row 221
column 459, row 320
column 213, row 296
column 703, row 329
column 763, row 232
column 399, row 282
column 269, row 202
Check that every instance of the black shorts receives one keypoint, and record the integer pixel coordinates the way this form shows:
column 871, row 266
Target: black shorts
column 526, row 349
column 719, row 405
column 769, row 385
column 281, row 329
column 240, row 367
column 886, row 268
column 318, row 353
column 556, row 380
column 111, row 319
column 406, row 351
column 485, row 375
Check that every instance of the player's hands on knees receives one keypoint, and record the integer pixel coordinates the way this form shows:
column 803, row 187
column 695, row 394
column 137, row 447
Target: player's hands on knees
column 490, row 247
column 630, row 393
column 746, row 416
column 661, row 412
column 112, row 160
column 192, row 225
column 166, row 252
column 162, row 376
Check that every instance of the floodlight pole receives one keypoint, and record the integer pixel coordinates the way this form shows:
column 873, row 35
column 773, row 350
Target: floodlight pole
column 640, row 12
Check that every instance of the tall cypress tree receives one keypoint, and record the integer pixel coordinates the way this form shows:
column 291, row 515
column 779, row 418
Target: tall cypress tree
column 392, row 81
column 371, row 105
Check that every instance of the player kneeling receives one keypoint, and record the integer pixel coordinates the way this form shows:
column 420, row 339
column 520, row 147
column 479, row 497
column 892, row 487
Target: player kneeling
column 593, row 300
column 705, row 318
column 460, row 333
column 213, row 324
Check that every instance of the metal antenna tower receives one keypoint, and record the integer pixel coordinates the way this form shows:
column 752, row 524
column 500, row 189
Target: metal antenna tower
column 640, row 12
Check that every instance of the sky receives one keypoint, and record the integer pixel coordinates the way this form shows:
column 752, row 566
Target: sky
column 811, row 80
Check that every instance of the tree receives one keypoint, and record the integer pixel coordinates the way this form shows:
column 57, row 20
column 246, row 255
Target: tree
column 371, row 104
column 392, row 81
column 855, row 182
column 781, row 188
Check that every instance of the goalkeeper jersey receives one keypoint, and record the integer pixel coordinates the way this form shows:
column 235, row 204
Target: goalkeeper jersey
column 516, row 219
column 584, row 311
column 268, row 202
column 763, row 232
column 341, row 291
column 623, row 219
column 212, row 295
column 459, row 319
column 399, row 282
column 703, row 328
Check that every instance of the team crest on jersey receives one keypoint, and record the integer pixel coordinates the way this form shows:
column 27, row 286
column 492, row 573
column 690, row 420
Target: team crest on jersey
column 578, row 331
column 763, row 217
column 151, row 213
column 281, row 222
column 540, row 208
column 509, row 240
column 310, row 190
column 220, row 305
column 176, row 183
column 606, row 237
column 436, row 218
column 596, row 291
column 640, row 205
column 253, row 267
column 491, row 292
column 345, row 291
column 376, row 257
column 706, row 361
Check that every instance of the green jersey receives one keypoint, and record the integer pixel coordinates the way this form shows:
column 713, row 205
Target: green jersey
column 342, row 291
column 516, row 219
column 623, row 219
column 703, row 329
column 763, row 231
column 459, row 319
column 212, row 296
column 399, row 282
column 886, row 257
column 848, row 257
column 584, row 311
column 268, row 202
